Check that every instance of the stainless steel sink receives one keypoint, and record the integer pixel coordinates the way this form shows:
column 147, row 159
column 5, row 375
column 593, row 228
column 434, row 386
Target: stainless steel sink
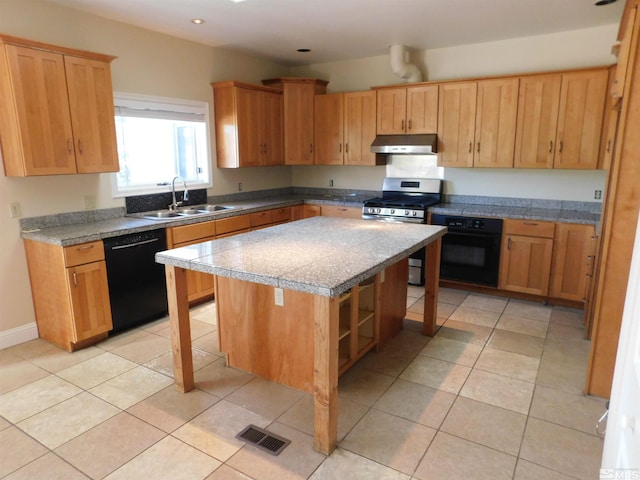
column 160, row 214
column 189, row 211
column 212, row 208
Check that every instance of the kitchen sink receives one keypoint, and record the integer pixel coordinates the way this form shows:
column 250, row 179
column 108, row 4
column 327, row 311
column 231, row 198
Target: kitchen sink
column 181, row 213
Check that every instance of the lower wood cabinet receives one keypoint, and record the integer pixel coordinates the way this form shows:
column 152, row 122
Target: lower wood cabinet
column 525, row 261
column 70, row 293
column 341, row 212
column 200, row 286
column 298, row 212
column 573, row 261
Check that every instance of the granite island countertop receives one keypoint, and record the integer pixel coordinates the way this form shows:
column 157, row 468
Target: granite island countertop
column 321, row 255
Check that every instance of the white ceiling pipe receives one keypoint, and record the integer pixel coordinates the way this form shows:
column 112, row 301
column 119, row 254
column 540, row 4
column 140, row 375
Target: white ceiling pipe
column 399, row 65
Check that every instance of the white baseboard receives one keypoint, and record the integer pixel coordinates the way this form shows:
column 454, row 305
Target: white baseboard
column 22, row 334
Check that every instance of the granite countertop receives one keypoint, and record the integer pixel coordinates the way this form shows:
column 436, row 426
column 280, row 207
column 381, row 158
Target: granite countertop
column 320, row 255
column 79, row 227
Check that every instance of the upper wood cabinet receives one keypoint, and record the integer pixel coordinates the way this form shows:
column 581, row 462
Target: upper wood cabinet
column 560, row 120
column 57, row 115
column 456, row 124
column 344, row 128
column 476, row 123
column 298, row 116
column 248, row 125
column 412, row 109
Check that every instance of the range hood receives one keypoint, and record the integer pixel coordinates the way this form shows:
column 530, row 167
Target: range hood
column 420, row 144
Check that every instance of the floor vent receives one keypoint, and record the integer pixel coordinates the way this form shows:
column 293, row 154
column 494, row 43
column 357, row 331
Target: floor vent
column 270, row 443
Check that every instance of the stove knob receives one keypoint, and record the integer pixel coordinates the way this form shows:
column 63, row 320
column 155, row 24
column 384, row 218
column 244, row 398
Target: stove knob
column 406, row 212
column 392, row 211
column 415, row 213
column 378, row 210
column 370, row 210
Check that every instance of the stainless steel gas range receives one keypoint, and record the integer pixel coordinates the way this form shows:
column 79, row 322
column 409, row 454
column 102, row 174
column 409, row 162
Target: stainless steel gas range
column 406, row 200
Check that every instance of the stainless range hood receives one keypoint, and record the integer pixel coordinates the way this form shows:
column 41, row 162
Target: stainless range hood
column 419, row 144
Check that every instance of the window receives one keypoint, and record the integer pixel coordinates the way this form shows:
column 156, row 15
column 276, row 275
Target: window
column 159, row 139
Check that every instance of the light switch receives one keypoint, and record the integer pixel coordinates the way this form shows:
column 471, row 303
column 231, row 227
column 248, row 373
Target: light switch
column 15, row 210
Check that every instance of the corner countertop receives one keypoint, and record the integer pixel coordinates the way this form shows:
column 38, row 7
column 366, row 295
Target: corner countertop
column 81, row 227
column 321, row 255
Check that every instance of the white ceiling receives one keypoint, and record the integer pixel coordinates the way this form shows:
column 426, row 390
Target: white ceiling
column 348, row 29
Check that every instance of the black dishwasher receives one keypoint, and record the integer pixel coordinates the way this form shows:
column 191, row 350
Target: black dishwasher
column 137, row 288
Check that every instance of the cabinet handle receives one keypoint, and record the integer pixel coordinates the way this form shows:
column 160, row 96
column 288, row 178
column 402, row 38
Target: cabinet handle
column 402, row 125
column 470, row 147
column 311, row 148
column 509, row 244
column 550, row 146
column 478, row 147
column 80, row 149
column 533, row 224
column 85, row 247
column 69, row 145
column 75, row 279
column 346, row 147
column 409, row 125
column 560, row 149
column 609, row 146
column 340, row 147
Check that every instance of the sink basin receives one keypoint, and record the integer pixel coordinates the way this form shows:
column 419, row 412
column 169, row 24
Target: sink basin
column 212, row 208
column 161, row 214
column 189, row 211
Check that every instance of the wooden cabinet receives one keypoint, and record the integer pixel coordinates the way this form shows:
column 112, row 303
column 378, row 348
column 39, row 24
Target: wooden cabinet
column 248, row 125
column 573, row 251
column 340, row 211
column 525, row 261
column 609, row 126
column 70, row 292
column 495, row 129
column 456, row 124
column 476, row 123
column 560, row 119
column 233, row 225
column 298, row 212
column 200, row 286
column 267, row 218
column 298, row 94
column 57, row 116
column 344, row 128
column 412, row 109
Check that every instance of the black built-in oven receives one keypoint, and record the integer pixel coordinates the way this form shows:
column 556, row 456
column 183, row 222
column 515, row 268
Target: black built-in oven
column 470, row 249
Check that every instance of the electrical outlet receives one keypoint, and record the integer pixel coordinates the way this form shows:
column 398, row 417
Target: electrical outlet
column 598, row 195
column 90, row 202
column 331, row 183
column 279, row 296
column 239, row 186
column 14, row 210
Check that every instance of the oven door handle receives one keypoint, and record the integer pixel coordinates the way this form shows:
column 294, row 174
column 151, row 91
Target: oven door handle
column 477, row 235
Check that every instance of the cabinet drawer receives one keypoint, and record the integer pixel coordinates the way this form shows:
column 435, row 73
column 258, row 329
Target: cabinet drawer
column 529, row 228
column 341, row 212
column 83, row 253
column 187, row 233
column 261, row 218
column 232, row 224
column 281, row 214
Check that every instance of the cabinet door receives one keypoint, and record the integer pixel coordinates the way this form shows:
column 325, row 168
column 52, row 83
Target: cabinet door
column 359, row 127
column 272, row 138
column 495, row 134
column 92, row 114
column 422, row 109
column 391, row 111
column 525, row 264
column 456, row 124
column 44, row 140
column 573, row 249
column 328, row 118
column 298, row 124
column 580, row 118
column 538, row 101
column 249, row 127
column 609, row 125
column 90, row 305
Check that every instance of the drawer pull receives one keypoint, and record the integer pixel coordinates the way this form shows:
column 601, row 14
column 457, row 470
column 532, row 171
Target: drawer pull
column 85, row 247
column 533, row 224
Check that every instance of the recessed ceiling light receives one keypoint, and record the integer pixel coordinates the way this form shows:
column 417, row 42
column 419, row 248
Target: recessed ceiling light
column 600, row 3
column 303, row 50
column 197, row 21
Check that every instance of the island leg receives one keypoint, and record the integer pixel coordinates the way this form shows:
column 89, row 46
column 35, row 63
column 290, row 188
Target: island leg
column 325, row 373
column 180, row 328
column 431, row 285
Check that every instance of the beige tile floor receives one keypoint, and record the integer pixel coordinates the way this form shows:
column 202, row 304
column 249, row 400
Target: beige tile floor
column 496, row 394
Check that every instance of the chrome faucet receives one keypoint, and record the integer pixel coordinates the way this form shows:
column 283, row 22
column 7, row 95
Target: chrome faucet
column 185, row 196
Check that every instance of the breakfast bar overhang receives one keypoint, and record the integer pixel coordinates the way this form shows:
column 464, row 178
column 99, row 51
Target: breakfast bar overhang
column 288, row 277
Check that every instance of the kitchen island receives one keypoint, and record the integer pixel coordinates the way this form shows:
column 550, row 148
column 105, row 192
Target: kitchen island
column 290, row 285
